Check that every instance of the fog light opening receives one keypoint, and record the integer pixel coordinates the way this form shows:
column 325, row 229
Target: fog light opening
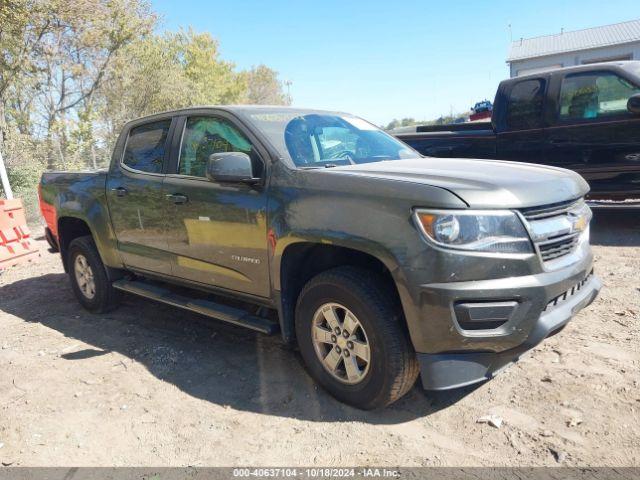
column 484, row 315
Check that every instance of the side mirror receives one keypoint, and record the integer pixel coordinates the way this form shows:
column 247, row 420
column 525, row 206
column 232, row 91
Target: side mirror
column 230, row 167
column 633, row 104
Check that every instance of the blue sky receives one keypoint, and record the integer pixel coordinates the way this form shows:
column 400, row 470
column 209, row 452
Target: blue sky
column 382, row 59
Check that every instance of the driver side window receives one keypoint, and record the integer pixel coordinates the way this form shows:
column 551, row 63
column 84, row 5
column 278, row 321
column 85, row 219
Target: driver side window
column 335, row 142
column 204, row 136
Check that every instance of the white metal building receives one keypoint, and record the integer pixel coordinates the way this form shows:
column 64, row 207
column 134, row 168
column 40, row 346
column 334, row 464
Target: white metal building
column 620, row 41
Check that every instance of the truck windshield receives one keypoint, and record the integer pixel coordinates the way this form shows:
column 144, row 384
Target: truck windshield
column 324, row 140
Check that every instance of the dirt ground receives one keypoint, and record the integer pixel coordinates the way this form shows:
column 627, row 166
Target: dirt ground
column 152, row 385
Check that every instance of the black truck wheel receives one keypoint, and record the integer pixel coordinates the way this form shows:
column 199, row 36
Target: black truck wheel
column 88, row 276
column 352, row 340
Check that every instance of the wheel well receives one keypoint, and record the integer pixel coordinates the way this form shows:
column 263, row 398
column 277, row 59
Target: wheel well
column 70, row 228
column 303, row 261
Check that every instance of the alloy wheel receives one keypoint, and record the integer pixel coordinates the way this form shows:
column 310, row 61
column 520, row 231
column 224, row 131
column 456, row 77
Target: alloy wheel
column 341, row 343
column 84, row 277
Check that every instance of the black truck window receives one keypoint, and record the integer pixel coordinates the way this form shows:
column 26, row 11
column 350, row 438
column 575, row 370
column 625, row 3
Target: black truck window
column 145, row 147
column 593, row 95
column 524, row 109
column 204, row 136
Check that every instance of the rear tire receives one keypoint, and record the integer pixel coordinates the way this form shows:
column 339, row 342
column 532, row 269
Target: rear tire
column 338, row 360
column 89, row 279
column 53, row 243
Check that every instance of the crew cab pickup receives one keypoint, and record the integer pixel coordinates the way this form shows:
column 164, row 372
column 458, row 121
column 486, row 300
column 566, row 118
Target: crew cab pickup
column 378, row 263
column 584, row 118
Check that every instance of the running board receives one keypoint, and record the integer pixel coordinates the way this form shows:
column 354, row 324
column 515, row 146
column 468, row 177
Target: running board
column 218, row 311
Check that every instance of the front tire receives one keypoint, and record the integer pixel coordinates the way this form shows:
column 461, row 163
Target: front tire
column 88, row 275
column 351, row 337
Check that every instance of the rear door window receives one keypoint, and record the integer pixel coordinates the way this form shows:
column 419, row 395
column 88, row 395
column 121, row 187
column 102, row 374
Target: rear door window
column 146, row 146
column 525, row 105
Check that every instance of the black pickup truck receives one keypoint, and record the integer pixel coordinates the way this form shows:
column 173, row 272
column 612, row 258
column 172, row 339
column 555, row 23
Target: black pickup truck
column 584, row 118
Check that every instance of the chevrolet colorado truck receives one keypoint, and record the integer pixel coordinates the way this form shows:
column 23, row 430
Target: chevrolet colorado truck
column 379, row 263
column 585, row 118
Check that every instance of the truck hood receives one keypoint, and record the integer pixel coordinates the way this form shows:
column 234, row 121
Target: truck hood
column 481, row 183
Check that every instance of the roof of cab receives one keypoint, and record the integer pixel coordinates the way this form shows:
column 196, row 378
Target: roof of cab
column 624, row 64
column 237, row 109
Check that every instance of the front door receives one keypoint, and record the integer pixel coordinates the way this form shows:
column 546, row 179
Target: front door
column 595, row 135
column 217, row 232
column 135, row 198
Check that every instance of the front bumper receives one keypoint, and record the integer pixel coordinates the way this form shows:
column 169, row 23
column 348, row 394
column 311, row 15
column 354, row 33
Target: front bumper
column 453, row 370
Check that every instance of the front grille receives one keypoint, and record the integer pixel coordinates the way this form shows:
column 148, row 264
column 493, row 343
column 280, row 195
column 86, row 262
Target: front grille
column 553, row 228
column 558, row 247
column 554, row 302
column 551, row 210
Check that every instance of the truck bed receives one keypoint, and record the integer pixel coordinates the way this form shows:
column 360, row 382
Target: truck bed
column 467, row 140
column 64, row 188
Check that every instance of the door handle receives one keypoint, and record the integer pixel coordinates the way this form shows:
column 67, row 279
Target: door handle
column 119, row 191
column 560, row 141
column 177, row 198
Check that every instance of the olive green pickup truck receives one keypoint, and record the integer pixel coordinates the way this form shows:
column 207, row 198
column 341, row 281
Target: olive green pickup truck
column 379, row 263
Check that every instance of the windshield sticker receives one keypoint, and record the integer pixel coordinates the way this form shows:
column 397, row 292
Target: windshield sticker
column 271, row 117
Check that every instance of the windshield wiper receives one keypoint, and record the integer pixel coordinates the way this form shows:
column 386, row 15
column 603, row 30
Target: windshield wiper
column 327, row 165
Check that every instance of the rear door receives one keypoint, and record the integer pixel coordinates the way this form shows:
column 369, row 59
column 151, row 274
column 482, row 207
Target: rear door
column 135, row 198
column 594, row 134
column 523, row 136
column 217, row 232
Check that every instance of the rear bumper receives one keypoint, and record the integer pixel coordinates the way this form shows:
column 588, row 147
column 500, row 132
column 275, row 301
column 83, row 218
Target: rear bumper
column 444, row 371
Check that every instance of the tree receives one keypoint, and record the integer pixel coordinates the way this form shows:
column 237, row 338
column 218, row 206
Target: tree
column 212, row 80
column 23, row 25
column 55, row 55
column 165, row 72
column 405, row 122
column 264, row 87
column 75, row 58
column 71, row 73
column 144, row 78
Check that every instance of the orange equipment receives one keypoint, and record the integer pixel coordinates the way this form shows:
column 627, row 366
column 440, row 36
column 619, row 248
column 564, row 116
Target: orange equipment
column 16, row 245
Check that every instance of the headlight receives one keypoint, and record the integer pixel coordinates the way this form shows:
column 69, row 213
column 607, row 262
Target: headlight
column 479, row 231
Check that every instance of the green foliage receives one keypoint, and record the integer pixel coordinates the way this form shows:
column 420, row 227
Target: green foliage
column 174, row 70
column 212, row 80
column 443, row 120
column 264, row 87
column 72, row 73
column 405, row 122
column 25, row 160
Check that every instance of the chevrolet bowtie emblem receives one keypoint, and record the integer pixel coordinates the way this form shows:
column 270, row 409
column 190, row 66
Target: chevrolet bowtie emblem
column 580, row 219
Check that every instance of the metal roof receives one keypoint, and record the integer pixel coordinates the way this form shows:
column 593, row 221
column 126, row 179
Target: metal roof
column 616, row 34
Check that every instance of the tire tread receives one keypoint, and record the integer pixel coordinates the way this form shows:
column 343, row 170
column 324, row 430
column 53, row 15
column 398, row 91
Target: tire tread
column 371, row 288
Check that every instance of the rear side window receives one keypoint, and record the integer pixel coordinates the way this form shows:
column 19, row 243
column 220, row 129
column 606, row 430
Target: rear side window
column 145, row 147
column 594, row 95
column 525, row 105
